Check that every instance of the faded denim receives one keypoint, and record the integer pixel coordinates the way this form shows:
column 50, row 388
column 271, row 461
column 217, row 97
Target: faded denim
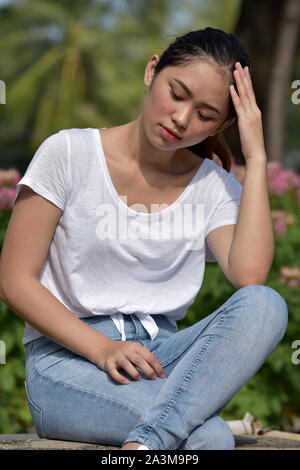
column 205, row 365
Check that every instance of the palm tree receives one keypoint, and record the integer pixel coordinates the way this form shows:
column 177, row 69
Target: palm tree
column 80, row 63
column 63, row 65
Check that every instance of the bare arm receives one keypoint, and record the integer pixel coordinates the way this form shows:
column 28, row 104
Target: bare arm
column 27, row 240
column 252, row 250
column 253, row 245
column 33, row 302
column 245, row 250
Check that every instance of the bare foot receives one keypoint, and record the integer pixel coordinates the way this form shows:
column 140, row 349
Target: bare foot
column 131, row 445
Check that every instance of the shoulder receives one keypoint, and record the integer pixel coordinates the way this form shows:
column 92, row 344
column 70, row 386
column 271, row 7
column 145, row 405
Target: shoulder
column 214, row 164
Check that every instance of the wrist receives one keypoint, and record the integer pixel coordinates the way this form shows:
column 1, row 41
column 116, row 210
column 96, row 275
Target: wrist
column 257, row 164
column 260, row 158
column 100, row 346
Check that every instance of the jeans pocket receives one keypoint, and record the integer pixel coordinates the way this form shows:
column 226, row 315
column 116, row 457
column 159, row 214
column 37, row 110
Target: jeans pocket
column 36, row 413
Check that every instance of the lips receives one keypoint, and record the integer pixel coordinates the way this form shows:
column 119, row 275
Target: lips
column 171, row 132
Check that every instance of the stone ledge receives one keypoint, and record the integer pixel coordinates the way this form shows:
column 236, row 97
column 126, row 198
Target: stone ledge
column 33, row 442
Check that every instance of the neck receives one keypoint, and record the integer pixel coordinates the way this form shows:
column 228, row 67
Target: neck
column 145, row 155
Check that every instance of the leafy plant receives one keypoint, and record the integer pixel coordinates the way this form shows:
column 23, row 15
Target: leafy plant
column 272, row 395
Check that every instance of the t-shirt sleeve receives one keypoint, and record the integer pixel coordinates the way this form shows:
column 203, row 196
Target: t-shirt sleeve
column 226, row 210
column 47, row 172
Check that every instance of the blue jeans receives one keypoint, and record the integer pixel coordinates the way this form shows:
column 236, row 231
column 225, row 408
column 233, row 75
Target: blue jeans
column 205, row 365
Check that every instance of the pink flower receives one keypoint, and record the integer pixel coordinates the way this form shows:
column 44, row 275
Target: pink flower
column 280, row 227
column 7, row 196
column 281, row 180
column 289, row 276
column 281, row 220
column 274, row 166
column 9, row 177
column 8, row 181
column 288, row 272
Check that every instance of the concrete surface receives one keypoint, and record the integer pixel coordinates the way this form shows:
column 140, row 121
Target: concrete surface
column 33, row 442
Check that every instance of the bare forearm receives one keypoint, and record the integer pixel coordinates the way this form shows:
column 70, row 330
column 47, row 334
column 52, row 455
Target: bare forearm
column 252, row 248
column 35, row 304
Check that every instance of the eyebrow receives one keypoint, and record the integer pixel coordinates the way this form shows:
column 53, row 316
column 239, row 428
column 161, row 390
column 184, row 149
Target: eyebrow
column 188, row 91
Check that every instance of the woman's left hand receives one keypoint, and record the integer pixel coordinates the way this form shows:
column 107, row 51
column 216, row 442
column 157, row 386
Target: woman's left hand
column 249, row 115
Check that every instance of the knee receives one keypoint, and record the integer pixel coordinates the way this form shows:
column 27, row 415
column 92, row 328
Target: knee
column 216, row 435
column 224, row 438
column 267, row 305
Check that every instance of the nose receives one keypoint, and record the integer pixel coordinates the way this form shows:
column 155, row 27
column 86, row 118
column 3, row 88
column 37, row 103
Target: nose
column 181, row 118
column 180, row 125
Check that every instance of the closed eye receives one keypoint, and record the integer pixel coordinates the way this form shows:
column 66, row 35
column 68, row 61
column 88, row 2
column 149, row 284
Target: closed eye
column 178, row 98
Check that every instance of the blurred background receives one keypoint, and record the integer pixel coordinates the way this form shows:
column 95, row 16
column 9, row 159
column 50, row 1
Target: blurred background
column 80, row 63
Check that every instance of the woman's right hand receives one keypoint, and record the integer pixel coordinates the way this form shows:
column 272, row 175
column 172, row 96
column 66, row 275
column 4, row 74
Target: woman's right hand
column 127, row 355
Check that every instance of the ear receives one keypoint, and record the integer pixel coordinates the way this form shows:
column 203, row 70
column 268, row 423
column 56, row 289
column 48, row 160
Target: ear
column 150, row 69
column 224, row 126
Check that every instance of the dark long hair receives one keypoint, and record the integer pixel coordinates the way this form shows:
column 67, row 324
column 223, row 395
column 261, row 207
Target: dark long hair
column 224, row 49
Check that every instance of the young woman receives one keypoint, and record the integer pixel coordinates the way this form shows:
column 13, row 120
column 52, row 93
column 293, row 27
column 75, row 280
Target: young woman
column 106, row 249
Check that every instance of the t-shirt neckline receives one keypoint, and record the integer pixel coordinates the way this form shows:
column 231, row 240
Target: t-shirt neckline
column 117, row 197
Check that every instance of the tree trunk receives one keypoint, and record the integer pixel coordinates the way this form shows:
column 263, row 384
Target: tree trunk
column 260, row 27
column 279, row 81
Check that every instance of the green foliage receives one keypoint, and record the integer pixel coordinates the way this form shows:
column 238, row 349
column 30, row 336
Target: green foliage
column 272, row 395
column 14, row 412
column 69, row 64
column 66, row 67
column 81, row 64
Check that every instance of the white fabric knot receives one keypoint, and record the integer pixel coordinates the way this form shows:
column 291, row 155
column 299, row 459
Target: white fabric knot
column 145, row 319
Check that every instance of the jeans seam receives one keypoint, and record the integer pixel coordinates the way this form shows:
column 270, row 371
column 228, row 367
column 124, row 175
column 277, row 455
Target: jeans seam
column 105, row 397
column 173, row 358
column 136, row 328
column 76, row 387
column 188, row 447
column 38, row 409
column 182, row 387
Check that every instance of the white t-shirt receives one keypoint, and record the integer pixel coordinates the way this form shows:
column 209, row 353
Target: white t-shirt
column 106, row 258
